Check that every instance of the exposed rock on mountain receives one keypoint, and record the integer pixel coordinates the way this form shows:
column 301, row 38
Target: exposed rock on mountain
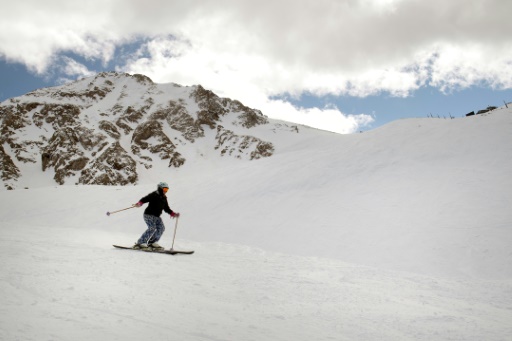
column 10, row 172
column 238, row 146
column 179, row 119
column 66, row 151
column 113, row 166
column 99, row 130
column 150, row 136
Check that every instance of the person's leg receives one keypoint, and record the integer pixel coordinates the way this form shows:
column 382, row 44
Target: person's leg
column 151, row 230
column 159, row 230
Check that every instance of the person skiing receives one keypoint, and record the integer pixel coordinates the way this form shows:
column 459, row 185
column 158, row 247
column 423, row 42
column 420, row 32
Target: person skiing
column 157, row 202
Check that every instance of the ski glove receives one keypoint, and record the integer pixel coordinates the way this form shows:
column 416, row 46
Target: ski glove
column 175, row 215
column 139, row 204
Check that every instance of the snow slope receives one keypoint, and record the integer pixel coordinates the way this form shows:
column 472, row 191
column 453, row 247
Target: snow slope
column 402, row 233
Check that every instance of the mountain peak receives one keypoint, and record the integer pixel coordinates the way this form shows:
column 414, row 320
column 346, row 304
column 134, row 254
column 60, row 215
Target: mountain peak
column 103, row 129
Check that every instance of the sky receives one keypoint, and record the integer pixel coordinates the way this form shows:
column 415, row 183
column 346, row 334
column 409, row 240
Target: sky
column 340, row 65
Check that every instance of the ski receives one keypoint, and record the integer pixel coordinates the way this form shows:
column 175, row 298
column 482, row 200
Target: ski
column 168, row 252
column 175, row 252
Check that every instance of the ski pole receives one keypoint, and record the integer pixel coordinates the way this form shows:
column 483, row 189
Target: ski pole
column 109, row 213
column 174, row 237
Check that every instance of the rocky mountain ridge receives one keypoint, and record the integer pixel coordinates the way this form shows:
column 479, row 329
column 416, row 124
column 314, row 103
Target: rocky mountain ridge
column 99, row 130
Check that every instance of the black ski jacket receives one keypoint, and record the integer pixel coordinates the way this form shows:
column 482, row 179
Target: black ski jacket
column 157, row 203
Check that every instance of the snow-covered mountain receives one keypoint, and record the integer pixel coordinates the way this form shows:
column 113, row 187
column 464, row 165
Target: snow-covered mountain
column 401, row 233
column 105, row 129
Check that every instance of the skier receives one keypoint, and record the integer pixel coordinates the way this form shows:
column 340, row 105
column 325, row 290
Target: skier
column 157, row 203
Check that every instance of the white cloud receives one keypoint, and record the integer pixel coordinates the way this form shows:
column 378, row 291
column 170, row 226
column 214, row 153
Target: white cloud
column 71, row 70
column 456, row 67
column 330, row 119
column 242, row 77
column 339, row 47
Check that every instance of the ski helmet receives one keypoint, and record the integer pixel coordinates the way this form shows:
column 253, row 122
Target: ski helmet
column 163, row 185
